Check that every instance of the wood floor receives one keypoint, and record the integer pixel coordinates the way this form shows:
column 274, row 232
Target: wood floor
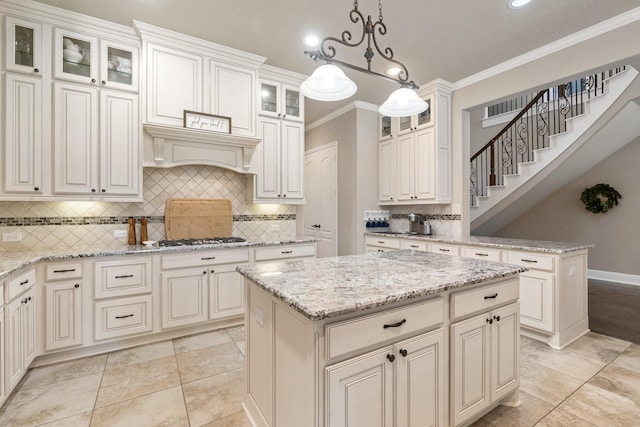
column 614, row 310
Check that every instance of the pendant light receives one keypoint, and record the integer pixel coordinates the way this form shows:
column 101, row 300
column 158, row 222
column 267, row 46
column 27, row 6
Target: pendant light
column 328, row 83
column 403, row 102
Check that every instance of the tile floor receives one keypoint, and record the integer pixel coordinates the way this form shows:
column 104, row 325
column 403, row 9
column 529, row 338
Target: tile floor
column 199, row 381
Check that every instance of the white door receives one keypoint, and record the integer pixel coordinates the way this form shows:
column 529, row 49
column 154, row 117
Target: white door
column 405, row 158
column 505, row 343
column 226, row 292
column 15, row 338
column 291, row 153
column 536, row 300
column 320, row 213
column 425, row 172
column 63, row 315
column 184, row 297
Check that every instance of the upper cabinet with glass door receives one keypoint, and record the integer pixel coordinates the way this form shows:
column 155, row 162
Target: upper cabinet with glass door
column 281, row 100
column 84, row 59
column 418, row 121
column 385, row 127
column 24, row 46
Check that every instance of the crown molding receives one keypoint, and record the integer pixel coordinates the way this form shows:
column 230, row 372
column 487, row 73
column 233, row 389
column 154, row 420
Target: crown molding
column 340, row 111
column 596, row 30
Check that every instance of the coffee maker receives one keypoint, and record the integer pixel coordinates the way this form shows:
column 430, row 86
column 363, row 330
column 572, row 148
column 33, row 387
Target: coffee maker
column 419, row 224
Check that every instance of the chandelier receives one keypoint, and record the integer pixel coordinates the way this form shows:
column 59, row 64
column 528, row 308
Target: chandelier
column 329, row 83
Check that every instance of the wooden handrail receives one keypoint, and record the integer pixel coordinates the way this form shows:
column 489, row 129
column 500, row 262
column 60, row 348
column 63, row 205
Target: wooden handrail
column 511, row 123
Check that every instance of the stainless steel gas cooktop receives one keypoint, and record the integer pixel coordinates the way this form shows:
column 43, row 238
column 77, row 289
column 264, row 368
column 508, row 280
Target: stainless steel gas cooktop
column 208, row 241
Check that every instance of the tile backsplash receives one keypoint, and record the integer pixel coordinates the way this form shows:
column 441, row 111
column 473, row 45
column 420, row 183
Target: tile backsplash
column 443, row 221
column 52, row 224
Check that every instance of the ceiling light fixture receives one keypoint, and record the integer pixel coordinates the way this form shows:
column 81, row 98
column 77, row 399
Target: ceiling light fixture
column 514, row 4
column 329, row 83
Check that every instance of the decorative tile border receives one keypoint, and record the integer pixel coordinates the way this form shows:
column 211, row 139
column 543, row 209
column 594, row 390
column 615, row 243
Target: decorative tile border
column 442, row 217
column 105, row 220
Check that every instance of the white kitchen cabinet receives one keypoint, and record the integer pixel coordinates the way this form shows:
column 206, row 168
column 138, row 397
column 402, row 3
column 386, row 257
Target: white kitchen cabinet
column 284, row 252
column 23, row 134
column 21, row 337
column 119, row 66
column 63, row 315
column 487, row 254
column 444, row 248
column 184, row 297
column 76, row 57
column 174, row 84
column 381, row 244
column 537, row 297
column 416, row 166
column 3, row 392
column 409, row 124
column 24, row 46
column 233, row 91
column 387, row 171
column 96, row 142
column 386, row 127
column 485, row 361
column 123, row 317
column 278, row 163
column 226, row 292
column 281, row 100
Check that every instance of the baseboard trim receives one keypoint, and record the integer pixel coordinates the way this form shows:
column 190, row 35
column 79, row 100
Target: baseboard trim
column 612, row 276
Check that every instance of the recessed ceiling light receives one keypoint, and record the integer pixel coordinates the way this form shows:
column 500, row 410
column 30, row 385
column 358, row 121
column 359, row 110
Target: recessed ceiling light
column 393, row 71
column 518, row 3
column 311, row 41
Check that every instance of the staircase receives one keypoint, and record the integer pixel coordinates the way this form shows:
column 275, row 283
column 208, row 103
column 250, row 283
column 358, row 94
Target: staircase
column 561, row 133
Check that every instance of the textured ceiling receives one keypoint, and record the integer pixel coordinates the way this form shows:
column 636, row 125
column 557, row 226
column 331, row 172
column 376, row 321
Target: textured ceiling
column 448, row 39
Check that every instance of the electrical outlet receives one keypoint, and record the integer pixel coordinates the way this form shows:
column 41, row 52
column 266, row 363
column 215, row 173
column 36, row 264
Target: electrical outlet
column 120, row 233
column 16, row 236
column 259, row 316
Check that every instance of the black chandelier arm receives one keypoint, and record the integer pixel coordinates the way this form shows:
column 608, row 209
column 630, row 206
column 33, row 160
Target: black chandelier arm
column 345, row 40
column 403, row 75
column 317, row 55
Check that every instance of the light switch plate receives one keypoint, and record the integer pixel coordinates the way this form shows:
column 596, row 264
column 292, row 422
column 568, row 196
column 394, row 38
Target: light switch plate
column 120, row 233
column 16, row 236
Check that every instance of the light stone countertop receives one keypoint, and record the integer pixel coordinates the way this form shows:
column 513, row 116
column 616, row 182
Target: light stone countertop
column 495, row 242
column 10, row 262
column 328, row 287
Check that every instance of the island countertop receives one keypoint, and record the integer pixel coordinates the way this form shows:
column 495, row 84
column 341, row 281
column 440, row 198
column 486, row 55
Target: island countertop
column 328, row 287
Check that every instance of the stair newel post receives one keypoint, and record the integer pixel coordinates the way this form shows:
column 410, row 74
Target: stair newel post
column 492, row 167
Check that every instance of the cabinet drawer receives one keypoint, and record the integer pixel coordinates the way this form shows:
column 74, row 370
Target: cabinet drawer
column 465, row 303
column 285, row 252
column 197, row 259
column 21, row 283
column 63, row 271
column 383, row 242
column 361, row 332
column 122, row 278
column 482, row 253
column 416, row 246
column 443, row 248
column 531, row 260
column 124, row 316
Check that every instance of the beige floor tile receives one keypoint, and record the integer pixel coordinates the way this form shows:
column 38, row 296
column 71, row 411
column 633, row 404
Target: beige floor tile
column 80, row 420
column 562, row 418
column 143, row 353
column 598, row 346
column 576, row 364
column 629, row 359
column 237, row 333
column 126, row 382
column 527, row 414
column 63, row 371
column 198, row 341
column 524, row 341
column 38, row 405
column 214, row 397
column 235, row 420
column 620, row 381
column 602, row 407
column 209, row 361
column 545, row 383
column 160, row 409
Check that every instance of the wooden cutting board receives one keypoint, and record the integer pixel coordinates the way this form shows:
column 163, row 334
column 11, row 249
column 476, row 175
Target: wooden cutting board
column 198, row 218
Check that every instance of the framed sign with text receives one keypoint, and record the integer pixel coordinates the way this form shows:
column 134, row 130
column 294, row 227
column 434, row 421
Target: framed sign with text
column 210, row 122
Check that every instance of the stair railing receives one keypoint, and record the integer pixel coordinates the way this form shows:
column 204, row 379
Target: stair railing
column 544, row 115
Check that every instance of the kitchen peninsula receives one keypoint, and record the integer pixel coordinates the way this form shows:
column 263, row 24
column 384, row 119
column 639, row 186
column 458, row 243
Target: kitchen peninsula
column 397, row 338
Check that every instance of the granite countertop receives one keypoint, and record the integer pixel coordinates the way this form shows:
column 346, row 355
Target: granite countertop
column 495, row 242
column 328, row 287
column 11, row 262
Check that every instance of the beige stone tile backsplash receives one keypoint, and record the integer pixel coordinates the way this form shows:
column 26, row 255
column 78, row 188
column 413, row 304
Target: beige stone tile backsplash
column 256, row 223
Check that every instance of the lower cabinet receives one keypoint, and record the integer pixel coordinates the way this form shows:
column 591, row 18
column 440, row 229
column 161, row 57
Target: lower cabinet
column 63, row 315
column 485, row 353
column 3, row 392
column 536, row 300
column 21, row 336
column 226, row 292
column 184, row 297
column 407, row 376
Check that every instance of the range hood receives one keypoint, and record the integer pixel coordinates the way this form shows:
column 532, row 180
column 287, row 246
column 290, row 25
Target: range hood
column 168, row 146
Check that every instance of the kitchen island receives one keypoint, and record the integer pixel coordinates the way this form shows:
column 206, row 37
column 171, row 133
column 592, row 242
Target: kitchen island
column 398, row 338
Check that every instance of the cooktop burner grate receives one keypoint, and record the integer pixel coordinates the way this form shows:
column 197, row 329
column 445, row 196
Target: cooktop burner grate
column 193, row 242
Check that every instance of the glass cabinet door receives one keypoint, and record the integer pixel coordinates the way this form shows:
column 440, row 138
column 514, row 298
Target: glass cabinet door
column 293, row 103
column 404, row 124
column 75, row 57
column 269, row 98
column 424, row 118
column 119, row 66
column 385, row 128
column 24, row 46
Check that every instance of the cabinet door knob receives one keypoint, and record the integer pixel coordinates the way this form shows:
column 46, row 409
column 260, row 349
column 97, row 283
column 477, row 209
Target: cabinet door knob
column 391, row 357
column 77, row 285
column 103, row 190
column 403, row 352
column 497, row 318
column 36, row 70
column 490, row 321
column 93, row 190
column 213, row 271
column 204, row 272
column 36, row 188
column 93, row 80
column 104, row 82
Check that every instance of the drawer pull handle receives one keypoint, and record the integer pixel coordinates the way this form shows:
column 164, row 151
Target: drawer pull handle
column 124, row 317
column 403, row 352
column 287, row 252
column 391, row 357
column 24, row 282
column 126, row 276
column 66, row 270
column 494, row 296
column 395, row 325
column 444, row 250
column 528, row 260
column 382, row 242
column 413, row 246
column 207, row 258
column 481, row 254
